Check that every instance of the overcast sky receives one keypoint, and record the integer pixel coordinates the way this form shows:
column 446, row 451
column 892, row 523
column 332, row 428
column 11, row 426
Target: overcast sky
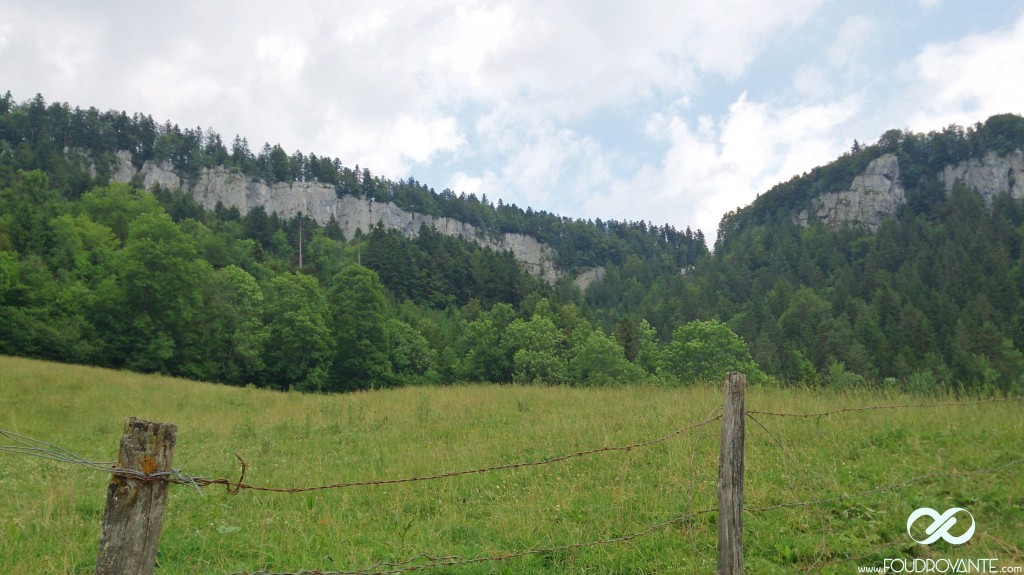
column 665, row 111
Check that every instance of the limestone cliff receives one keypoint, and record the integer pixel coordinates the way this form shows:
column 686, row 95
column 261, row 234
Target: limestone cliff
column 989, row 176
column 320, row 202
column 873, row 196
column 878, row 193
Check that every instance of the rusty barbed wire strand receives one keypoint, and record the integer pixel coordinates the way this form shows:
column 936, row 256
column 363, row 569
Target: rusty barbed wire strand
column 37, row 448
column 28, row 446
column 881, row 407
column 454, row 561
column 236, row 486
column 23, row 445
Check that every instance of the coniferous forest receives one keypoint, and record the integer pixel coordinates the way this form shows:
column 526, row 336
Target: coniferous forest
column 110, row 274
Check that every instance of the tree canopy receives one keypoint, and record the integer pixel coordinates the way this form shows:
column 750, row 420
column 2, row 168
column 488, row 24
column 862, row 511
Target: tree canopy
column 114, row 275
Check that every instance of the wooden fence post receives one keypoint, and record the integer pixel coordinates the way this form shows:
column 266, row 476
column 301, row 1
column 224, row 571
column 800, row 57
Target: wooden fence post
column 730, row 478
column 135, row 507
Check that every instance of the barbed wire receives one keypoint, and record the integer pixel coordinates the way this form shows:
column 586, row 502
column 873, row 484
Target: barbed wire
column 881, row 407
column 23, row 445
column 430, row 562
column 236, row 486
column 37, row 448
column 33, row 447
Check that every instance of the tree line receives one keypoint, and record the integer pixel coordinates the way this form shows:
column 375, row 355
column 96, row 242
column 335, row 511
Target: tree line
column 149, row 281
column 934, row 299
column 76, row 147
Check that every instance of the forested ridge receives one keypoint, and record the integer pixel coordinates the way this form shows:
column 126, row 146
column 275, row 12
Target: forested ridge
column 933, row 298
column 110, row 274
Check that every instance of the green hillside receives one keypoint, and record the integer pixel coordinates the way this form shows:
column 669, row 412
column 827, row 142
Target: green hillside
column 856, row 476
column 116, row 276
column 935, row 296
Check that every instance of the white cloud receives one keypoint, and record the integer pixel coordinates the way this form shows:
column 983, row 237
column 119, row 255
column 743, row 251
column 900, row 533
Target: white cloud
column 545, row 167
column 970, row 79
column 6, row 32
column 477, row 33
column 812, row 82
column 340, row 71
column 61, row 52
column 503, row 95
column 356, row 28
column 747, row 26
column 461, row 182
column 174, row 88
column 709, row 166
column 421, row 140
column 280, row 58
column 718, row 166
column 853, row 36
column 567, row 59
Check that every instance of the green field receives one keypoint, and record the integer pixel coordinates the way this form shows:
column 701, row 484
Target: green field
column 873, row 467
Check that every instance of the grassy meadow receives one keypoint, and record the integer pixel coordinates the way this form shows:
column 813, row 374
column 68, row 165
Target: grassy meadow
column 50, row 513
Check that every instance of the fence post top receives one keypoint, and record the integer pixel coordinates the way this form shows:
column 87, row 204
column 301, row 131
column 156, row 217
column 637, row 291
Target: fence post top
column 132, row 421
column 736, row 379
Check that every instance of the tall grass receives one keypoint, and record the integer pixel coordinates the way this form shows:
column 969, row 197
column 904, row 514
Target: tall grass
column 50, row 513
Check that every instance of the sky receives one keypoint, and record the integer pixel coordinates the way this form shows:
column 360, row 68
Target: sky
column 673, row 112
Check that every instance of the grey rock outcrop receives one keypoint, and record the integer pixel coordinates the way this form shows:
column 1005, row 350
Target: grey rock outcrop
column 319, row 201
column 124, row 171
column 991, row 175
column 873, row 196
column 588, row 277
column 877, row 193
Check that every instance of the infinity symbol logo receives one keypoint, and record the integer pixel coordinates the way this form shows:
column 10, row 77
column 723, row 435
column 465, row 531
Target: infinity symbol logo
column 941, row 524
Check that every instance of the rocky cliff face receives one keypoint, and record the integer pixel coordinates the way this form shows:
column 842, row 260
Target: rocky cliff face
column 878, row 193
column 988, row 176
column 873, row 196
column 320, row 202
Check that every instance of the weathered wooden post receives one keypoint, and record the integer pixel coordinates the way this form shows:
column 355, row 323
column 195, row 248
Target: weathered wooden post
column 730, row 478
column 135, row 507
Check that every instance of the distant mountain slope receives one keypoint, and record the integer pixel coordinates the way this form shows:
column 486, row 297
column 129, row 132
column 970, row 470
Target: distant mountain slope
column 81, row 147
column 902, row 259
column 871, row 183
column 900, row 262
column 354, row 215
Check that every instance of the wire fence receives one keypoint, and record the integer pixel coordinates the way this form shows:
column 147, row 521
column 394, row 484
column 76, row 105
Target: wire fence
column 425, row 562
column 22, row 445
column 27, row 446
column 821, row 414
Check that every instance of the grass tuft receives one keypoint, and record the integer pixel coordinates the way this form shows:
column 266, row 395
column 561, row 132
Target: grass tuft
column 50, row 513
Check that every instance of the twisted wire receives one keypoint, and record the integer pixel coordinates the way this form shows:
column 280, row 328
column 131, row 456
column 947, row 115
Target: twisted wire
column 23, row 445
column 34, row 447
column 236, row 486
column 407, row 566
column 882, row 407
